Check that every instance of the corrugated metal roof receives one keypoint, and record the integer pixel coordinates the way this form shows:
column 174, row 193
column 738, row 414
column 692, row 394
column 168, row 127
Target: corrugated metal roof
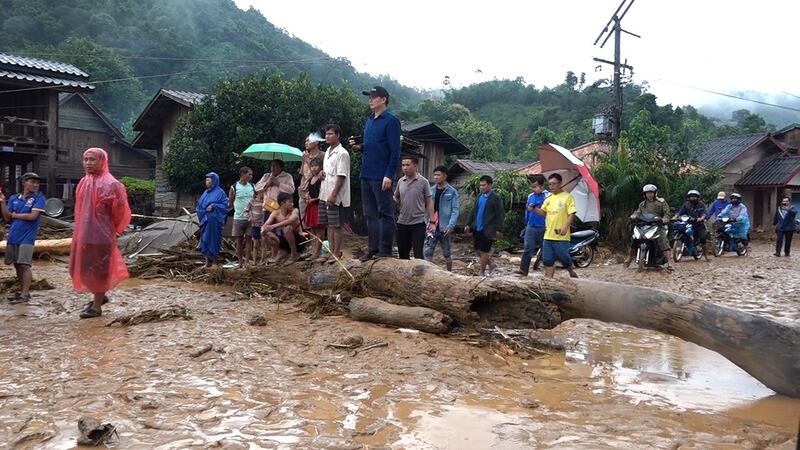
column 41, row 64
column 430, row 132
column 721, row 151
column 185, row 97
column 771, row 172
column 45, row 80
column 488, row 167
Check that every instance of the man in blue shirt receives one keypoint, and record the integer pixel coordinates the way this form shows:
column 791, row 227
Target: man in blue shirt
column 534, row 223
column 23, row 211
column 379, row 161
column 719, row 204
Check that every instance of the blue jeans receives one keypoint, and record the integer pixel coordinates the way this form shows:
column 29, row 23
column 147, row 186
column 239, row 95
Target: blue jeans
column 430, row 246
column 533, row 241
column 553, row 251
column 379, row 215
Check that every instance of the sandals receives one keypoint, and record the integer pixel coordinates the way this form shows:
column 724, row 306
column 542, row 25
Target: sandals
column 89, row 305
column 19, row 299
column 90, row 313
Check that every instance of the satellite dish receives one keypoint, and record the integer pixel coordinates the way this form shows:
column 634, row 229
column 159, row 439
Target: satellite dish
column 54, row 207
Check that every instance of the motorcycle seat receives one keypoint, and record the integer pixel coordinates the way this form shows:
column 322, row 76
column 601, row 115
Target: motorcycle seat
column 582, row 233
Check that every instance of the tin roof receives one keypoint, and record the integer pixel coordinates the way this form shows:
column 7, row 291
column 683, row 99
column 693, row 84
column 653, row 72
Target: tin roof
column 722, row 151
column 430, row 132
column 46, row 80
column 185, row 97
column 41, row 64
column 776, row 171
column 487, row 167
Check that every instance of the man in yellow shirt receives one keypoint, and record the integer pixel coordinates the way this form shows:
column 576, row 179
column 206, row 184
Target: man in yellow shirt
column 559, row 211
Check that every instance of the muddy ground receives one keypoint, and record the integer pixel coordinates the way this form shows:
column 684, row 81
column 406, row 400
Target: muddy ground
column 282, row 386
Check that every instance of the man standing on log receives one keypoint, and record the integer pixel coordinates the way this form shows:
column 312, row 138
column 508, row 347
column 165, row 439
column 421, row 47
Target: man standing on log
column 240, row 195
column 334, row 193
column 445, row 215
column 23, row 212
column 487, row 221
column 559, row 211
column 413, row 194
column 380, row 157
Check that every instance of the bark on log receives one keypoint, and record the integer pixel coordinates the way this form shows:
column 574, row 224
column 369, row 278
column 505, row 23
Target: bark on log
column 51, row 246
column 370, row 309
column 766, row 349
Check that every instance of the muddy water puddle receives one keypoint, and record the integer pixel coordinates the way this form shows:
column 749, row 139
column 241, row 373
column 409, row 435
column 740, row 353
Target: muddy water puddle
column 280, row 386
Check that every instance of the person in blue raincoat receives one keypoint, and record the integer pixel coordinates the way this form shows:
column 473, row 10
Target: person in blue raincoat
column 212, row 211
column 737, row 211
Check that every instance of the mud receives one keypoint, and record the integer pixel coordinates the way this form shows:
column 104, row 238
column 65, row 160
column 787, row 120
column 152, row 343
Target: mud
column 282, row 386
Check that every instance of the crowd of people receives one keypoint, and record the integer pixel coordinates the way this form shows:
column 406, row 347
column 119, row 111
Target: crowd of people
column 268, row 228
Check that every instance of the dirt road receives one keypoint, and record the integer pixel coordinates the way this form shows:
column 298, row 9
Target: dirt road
column 282, row 386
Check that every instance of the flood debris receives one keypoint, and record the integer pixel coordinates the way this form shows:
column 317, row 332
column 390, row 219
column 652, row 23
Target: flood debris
column 11, row 285
column 350, row 343
column 93, row 433
column 201, row 351
column 257, row 321
column 152, row 315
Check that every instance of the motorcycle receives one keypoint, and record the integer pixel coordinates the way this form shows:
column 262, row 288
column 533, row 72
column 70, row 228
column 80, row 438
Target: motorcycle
column 647, row 229
column 583, row 245
column 683, row 239
column 726, row 242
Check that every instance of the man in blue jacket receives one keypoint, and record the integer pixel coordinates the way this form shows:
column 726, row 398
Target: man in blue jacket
column 785, row 226
column 379, row 161
column 534, row 223
column 445, row 215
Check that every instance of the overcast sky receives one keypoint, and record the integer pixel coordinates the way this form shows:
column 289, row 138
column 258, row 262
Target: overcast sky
column 720, row 45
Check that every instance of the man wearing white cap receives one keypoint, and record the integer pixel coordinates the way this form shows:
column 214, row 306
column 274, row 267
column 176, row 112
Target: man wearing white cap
column 719, row 204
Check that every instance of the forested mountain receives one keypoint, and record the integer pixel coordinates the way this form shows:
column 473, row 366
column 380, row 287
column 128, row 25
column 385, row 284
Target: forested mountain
column 181, row 44
column 510, row 119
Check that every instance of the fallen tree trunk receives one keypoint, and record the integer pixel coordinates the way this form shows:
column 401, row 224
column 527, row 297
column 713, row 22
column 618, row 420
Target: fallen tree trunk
column 766, row 349
column 51, row 246
column 377, row 311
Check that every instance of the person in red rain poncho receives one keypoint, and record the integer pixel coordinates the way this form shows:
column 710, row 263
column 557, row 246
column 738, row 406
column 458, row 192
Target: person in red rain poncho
column 101, row 212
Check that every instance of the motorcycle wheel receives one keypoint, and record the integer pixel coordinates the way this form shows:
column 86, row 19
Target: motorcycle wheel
column 586, row 257
column 677, row 250
column 741, row 249
column 698, row 251
column 537, row 260
column 719, row 248
column 642, row 261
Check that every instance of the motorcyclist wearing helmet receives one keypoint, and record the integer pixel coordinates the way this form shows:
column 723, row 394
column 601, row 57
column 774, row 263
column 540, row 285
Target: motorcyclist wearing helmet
column 738, row 212
column 653, row 204
column 696, row 209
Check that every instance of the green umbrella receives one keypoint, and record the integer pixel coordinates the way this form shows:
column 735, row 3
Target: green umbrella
column 272, row 151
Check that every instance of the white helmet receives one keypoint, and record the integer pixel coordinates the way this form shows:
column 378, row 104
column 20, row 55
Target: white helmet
column 736, row 195
column 693, row 192
column 649, row 188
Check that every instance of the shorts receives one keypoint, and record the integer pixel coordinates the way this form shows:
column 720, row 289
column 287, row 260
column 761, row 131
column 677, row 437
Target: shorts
column 19, row 254
column 255, row 232
column 553, row 251
column 332, row 215
column 283, row 244
column 240, row 228
column 482, row 243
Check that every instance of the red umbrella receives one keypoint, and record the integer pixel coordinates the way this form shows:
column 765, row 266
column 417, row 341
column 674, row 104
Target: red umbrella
column 578, row 181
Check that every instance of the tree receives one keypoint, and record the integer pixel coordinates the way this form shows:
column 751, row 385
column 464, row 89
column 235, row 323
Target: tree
column 481, row 137
column 571, row 79
column 257, row 108
column 120, row 100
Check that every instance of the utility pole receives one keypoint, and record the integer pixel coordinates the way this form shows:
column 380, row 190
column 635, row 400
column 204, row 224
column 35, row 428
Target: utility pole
column 616, row 31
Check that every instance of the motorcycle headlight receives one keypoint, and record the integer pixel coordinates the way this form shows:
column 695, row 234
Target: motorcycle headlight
column 637, row 234
column 650, row 233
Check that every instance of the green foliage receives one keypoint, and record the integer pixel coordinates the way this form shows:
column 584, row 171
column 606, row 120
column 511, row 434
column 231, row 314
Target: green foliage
column 257, row 108
column 481, row 137
column 179, row 44
column 137, row 186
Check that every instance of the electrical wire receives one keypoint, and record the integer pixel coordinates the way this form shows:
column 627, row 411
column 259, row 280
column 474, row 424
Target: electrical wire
column 170, row 58
column 737, row 97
